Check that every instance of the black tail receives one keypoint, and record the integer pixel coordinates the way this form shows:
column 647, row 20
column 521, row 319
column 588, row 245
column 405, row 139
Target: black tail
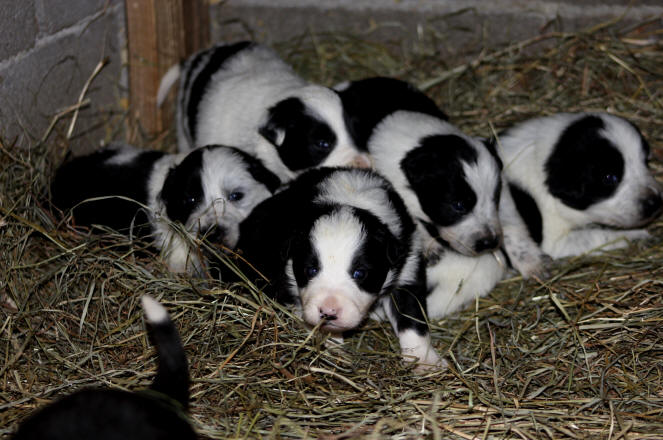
column 172, row 377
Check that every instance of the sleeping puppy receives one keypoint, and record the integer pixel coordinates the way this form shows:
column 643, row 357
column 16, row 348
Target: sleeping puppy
column 450, row 182
column 109, row 414
column 206, row 192
column 580, row 181
column 243, row 94
column 338, row 244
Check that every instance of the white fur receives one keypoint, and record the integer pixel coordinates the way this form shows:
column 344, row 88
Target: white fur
column 236, row 102
column 455, row 280
column 154, row 312
column 567, row 231
column 167, row 82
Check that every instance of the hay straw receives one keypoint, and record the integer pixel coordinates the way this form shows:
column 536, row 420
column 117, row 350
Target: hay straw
column 576, row 356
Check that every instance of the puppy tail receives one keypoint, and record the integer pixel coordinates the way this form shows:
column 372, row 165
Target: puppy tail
column 172, row 377
column 167, row 82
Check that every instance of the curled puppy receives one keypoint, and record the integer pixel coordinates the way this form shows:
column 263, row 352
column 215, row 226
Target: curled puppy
column 338, row 244
column 207, row 192
column 108, row 414
column 580, row 181
column 243, row 94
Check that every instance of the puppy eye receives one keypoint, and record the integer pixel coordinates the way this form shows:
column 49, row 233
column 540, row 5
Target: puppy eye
column 610, row 180
column 322, row 144
column 190, row 200
column 359, row 274
column 459, row 206
column 311, row 271
column 236, row 196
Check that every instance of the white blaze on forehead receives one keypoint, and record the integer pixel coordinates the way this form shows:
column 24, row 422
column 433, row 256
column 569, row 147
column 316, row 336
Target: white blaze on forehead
column 362, row 190
column 336, row 239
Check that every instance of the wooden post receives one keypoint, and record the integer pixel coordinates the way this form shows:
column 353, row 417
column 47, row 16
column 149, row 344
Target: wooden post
column 160, row 34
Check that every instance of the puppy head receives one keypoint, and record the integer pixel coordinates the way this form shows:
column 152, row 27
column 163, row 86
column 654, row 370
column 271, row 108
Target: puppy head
column 308, row 130
column 457, row 182
column 599, row 166
column 342, row 265
column 213, row 189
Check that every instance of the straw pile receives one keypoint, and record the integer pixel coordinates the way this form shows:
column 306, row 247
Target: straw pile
column 577, row 356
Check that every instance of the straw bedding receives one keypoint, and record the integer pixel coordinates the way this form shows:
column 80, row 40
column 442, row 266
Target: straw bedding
column 579, row 355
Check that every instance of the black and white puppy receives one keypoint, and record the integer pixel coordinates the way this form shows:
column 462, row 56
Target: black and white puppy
column 107, row 414
column 338, row 243
column 450, row 182
column 580, row 181
column 244, row 94
column 206, row 193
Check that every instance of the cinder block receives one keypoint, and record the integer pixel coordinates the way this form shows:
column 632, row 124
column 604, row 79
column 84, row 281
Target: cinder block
column 18, row 26
column 50, row 78
column 55, row 15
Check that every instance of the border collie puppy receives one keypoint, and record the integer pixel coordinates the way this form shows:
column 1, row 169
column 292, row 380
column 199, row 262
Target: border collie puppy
column 450, row 182
column 580, row 181
column 108, row 414
column 206, row 192
column 338, row 244
column 243, row 94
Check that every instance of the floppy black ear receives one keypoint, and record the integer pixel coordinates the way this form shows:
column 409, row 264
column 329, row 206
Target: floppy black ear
column 279, row 117
column 259, row 172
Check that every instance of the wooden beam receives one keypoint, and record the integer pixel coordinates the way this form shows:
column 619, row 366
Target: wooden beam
column 160, row 34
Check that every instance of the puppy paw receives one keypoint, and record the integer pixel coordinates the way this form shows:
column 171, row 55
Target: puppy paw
column 432, row 362
column 533, row 266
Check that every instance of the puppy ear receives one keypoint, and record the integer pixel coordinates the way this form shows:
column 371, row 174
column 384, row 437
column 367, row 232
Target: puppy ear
column 259, row 172
column 273, row 133
column 279, row 118
column 492, row 144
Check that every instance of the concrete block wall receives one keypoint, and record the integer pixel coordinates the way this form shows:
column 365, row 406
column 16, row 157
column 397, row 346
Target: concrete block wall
column 48, row 50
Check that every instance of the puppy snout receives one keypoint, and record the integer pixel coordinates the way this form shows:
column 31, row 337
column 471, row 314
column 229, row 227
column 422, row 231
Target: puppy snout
column 360, row 161
column 330, row 309
column 651, row 205
column 487, row 243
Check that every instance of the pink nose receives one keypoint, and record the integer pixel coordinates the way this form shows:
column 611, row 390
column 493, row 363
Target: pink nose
column 330, row 309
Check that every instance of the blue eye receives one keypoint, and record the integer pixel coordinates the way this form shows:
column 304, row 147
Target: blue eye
column 323, row 144
column 610, row 180
column 311, row 272
column 359, row 274
column 236, row 196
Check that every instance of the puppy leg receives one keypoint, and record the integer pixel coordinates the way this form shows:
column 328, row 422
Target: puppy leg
column 583, row 241
column 405, row 309
column 525, row 255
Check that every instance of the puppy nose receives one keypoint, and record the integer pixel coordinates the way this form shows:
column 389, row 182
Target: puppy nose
column 360, row 161
column 487, row 243
column 328, row 314
column 651, row 205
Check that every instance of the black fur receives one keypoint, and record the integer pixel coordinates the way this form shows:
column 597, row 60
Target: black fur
column 435, row 173
column 90, row 176
column 259, row 172
column 217, row 57
column 106, row 414
column 529, row 212
column 308, row 140
column 584, row 167
column 182, row 190
column 369, row 101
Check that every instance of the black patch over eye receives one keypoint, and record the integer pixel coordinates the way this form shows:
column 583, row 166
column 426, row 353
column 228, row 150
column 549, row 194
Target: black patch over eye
column 182, row 190
column 435, row 173
column 236, row 196
column 305, row 262
column 584, row 167
column 307, row 140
